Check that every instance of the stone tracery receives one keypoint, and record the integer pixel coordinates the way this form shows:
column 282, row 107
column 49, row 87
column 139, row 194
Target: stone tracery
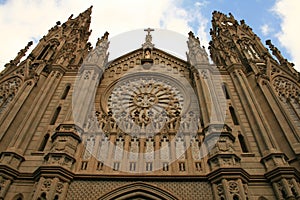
column 8, row 90
column 145, row 102
column 285, row 88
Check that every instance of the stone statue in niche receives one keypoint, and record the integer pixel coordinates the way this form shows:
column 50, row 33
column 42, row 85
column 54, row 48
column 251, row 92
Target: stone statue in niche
column 147, row 54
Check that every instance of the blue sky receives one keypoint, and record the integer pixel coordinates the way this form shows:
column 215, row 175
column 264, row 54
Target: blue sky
column 242, row 9
column 258, row 14
column 25, row 20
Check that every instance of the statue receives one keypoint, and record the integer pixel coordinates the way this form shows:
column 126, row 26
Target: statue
column 147, row 54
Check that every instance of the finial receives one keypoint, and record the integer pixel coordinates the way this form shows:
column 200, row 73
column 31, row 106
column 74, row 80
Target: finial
column 148, row 30
column 192, row 37
column 103, row 38
column 148, row 40
column 191, row 34
column 89, row 10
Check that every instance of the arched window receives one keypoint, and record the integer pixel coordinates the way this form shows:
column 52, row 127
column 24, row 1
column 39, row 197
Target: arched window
column 66, row 91
column 233, row 116
column 243, row 143
column 54, row 118
column 42, row 54
column 44, row 142
column 224, row 87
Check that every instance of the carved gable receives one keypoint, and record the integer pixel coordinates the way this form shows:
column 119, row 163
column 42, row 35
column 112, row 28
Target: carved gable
column 120, row 66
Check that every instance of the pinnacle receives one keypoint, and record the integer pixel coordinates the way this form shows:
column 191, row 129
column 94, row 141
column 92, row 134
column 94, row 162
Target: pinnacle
column 191, row 34
column 84, row 18
column 103, row 38
column 85, row 14
column 87, row 11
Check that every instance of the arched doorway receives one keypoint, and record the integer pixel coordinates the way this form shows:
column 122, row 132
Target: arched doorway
column 138, row 191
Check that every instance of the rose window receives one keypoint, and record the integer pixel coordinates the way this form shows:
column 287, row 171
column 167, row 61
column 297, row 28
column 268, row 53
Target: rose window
column 143, row 101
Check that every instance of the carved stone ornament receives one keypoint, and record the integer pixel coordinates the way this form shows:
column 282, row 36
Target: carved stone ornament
column 148, row 103
column 286, row 88
column 233, row 187
column 220, row 190
column 148, row 40
column 59, row 187
column 196, row 54
column 8, row 90
column 99, row 55
column 46, row 184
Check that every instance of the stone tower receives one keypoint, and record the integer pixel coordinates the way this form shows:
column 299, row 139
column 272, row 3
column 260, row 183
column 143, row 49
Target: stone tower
column 149, row 125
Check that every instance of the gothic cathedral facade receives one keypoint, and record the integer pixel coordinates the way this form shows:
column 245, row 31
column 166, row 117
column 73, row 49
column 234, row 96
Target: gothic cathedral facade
column 149, row 125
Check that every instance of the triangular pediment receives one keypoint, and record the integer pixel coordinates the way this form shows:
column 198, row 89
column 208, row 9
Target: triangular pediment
column 157, row 57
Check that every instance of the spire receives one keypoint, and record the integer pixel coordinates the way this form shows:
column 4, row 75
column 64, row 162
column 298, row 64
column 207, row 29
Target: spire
column 85, row 17
column 223, row 47
column 85, row 14
column 79, row 25
column 220, row 20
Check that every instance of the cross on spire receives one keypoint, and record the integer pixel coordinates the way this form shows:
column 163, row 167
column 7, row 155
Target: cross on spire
column 149, row 30
column 148, row 40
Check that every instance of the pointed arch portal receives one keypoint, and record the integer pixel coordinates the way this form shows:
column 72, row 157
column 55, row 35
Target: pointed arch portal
column 138, row 191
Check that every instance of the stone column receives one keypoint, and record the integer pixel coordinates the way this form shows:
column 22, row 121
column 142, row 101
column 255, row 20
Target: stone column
column 141, row 159
column 253, row 111
column 190, row 163
column 172, row 157
column 156, row 161
column 126, row 160
column 110, row 156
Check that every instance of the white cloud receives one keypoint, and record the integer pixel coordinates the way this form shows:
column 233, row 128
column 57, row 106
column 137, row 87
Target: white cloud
column 265, row 29
column 22, row 21
column 180, row 20
column 288, row 10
